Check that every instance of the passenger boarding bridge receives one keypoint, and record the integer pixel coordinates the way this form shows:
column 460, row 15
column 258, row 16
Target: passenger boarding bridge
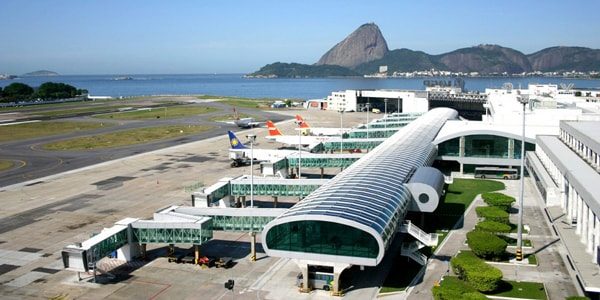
column 352, row 218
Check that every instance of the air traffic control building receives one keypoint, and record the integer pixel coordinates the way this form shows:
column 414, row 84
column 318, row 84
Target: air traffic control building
column 353, row 218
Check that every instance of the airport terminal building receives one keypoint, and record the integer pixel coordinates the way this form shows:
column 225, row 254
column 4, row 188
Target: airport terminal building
column 566, row 170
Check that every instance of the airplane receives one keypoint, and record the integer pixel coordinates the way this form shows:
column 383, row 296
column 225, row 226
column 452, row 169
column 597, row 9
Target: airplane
column 307, row 129
column 308, row 141
column 241, row 154
column 244, row 122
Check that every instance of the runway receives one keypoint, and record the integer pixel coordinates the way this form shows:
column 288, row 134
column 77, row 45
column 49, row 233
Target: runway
column 31, row 161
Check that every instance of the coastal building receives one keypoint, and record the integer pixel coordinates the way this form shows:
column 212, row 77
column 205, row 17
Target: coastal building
column 566, row 170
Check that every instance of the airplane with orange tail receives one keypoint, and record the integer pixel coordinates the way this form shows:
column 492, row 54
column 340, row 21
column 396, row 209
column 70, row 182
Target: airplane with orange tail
column 318, row 131
column 293, row 140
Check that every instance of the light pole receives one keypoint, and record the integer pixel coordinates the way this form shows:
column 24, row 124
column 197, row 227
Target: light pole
column 341, row 130
column 519, row 253
column 252, row 138
column 385, row 114
column 299, row 123
column 368, row 106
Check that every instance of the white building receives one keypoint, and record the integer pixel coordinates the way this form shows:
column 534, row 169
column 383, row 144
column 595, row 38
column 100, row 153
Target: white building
column 566, row 170
column 397, row 100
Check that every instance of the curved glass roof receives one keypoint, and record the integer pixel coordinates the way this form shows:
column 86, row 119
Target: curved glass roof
column 371, row 191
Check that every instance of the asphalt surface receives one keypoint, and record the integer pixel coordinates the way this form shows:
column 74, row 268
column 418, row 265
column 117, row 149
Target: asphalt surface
column 32, row 162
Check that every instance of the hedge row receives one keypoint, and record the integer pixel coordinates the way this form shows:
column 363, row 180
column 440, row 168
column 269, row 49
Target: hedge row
column 492, row 213
column 499, row 200
column 493, row 226
column 486, row 245
column 476, row 272
column 453, row 288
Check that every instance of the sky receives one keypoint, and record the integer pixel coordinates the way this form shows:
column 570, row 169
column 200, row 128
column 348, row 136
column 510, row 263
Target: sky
column 173, row 37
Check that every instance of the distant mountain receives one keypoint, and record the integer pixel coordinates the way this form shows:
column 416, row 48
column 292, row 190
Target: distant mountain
column 41, row 73
column 363, row 45
column 485, row 59
column 566, row 59
column 365, row 49
column 402, row 60
column 294, row 70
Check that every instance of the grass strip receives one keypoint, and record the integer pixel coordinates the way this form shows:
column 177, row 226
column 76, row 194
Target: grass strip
column 6, row 165
column 38, row 129
column 127, row 137
column 172, row 112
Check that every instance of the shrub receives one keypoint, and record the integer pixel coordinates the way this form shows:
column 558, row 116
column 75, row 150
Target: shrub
column 453, row 288
column 499, row 200
column 476, row 272
column 493, row 226
column 486, row 245
column 491, row 213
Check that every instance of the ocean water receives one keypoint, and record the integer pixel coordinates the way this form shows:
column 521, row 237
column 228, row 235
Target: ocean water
column 236, row 85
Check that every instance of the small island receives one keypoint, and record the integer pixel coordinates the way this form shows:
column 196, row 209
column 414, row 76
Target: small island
column 40, row 73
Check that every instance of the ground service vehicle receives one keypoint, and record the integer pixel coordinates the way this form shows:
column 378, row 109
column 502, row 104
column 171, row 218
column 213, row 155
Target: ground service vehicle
column 496, row 172
column 316, row 280
column 223, row 262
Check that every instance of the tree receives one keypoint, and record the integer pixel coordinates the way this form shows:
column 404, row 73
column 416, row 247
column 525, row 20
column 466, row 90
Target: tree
column 51, row 90
column 476, row 272
column 499, row 200
column 17, row 91
column 492, row 213
column 486, row 245
column 493, row 227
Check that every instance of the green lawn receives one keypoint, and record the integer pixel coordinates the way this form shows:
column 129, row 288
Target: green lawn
column 242, row 102
column 529, row 290
column 5, row 164
column 513, row 242
column 458, row 197
column 77, row 111
column 37, row 129
column 170, row 112
column 126, row 137
column 523, row 289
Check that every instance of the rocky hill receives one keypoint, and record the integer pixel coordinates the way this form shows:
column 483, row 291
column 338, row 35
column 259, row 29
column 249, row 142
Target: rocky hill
column 363, row 45
column 365, row 49
column 295, row 70
column 566, row 59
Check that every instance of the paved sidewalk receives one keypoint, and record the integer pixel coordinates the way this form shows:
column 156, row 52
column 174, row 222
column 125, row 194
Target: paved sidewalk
column 551, row 269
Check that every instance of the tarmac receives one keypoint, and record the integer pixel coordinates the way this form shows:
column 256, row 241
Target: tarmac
column 41, row 216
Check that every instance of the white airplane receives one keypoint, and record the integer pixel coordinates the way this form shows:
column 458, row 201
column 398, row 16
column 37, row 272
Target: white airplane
column 241, row 154
column 308, row 130
column 308, row 141
column 244, row 122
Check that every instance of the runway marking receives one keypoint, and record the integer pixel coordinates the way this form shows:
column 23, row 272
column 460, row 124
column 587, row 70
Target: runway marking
column 16, row 123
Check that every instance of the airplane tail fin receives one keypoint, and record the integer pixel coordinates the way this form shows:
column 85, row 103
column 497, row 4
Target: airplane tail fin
column 235, row 142
column 301, row 122
column 273, row 131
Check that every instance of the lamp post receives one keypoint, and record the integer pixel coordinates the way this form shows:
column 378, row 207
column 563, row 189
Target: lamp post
column 341, row 130
column 299, row 123
column 519, row 252
column 368, row 106
column 252, row 138
column 385, row 113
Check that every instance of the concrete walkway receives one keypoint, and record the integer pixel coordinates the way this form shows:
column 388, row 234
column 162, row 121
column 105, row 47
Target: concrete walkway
column 551, row 269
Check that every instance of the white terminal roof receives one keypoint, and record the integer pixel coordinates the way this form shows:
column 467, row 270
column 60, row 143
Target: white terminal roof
column 579, row 173
column 370, row 195
column 587, row 132
column 457, row 128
